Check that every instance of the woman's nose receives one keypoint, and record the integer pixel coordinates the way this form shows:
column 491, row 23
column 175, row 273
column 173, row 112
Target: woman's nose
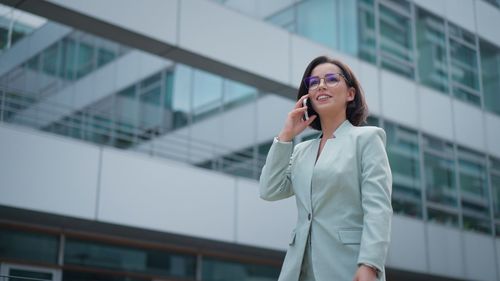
column 322, row 83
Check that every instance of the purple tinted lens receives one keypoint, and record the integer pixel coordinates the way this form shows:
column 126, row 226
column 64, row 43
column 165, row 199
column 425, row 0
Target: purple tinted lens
column 312, row 81
column 332, row 78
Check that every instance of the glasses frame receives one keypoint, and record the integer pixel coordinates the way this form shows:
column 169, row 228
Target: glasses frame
column 324, row 81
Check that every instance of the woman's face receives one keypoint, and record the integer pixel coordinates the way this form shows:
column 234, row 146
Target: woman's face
column 332, row 93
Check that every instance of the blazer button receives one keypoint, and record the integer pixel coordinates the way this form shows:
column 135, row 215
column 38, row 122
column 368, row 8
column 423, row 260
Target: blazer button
column 309, row 217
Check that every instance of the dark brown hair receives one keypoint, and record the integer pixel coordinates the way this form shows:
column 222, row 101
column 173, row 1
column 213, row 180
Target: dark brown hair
column 357, row 109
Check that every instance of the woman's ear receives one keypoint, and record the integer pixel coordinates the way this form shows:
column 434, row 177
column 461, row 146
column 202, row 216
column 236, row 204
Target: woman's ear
column 351, row 93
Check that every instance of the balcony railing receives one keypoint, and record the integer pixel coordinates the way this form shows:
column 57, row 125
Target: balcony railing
column 94, row 126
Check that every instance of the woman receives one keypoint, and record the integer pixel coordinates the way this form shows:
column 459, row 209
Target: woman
column 341, row 181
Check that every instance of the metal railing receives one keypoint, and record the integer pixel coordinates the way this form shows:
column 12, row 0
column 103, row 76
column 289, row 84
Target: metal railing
column 90, row 125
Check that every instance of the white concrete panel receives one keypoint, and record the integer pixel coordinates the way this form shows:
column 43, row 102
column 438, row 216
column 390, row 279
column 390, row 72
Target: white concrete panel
column 407, row 250
column 497, row 248
column 468, row 123
column 445, row 251
column 215, row 32
column 492, row 126
column 162, row 15
column 436, row 7
column 47, row 173
column 488, row 21
column 272, row 111
column 369, row 78
column 166, row 195
column 261, row 223
column 399, row 99
column 303, row 51
column 436, row 117
column 461, row 14
column 479, row 256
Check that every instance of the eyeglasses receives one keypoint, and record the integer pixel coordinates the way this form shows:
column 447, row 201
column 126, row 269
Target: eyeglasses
column 330, row 79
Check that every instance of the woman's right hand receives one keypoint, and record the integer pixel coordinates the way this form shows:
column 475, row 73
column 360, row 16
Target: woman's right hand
column 295, row 123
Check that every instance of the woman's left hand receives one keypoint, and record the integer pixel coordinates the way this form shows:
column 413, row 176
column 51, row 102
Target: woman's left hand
column 365, row 273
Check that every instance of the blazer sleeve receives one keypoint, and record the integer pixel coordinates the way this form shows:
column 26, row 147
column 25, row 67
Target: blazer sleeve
column 275, row 179
column 376, row 188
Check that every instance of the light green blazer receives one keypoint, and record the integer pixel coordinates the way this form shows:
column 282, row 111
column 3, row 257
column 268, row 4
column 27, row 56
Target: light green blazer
column 343, row 201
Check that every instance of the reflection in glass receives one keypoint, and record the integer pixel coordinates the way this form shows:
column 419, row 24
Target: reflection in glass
column 396, row 44
column 440, row 184
column 474, row 191
column 432, row 61
column 495, row 188
column 366, row 31
column 315, row 21
column 122, row 258
column 219, row 270
column 490, row 66
column 403, row 153
column 35, row 247
column 464, row 65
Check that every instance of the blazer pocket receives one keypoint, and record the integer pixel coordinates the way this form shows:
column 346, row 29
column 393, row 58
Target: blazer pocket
column 292, row 239
column 350, row 236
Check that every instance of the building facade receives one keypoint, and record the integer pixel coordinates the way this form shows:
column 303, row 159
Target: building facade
column 132, row 133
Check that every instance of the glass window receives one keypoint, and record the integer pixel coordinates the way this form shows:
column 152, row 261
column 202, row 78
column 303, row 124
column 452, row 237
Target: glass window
column 495, row 188
column 474, row 191
column 490, row 66
column 84, row 59
column 104, row 56
column 396, row 44
column 50, row 59
column 91, row 276
column 403, row 153
column 219, row 270
column 68, row 59
column 121, row 258
column 236, row 93
column 366, row 31
column 464, row 65
column 28, row 246
column 99, row 121
column 150, row 109
column 285, row 19
column 207, row 94
column 126, row 108
column 315, row 21
column 432, row 57
column 440, row 183
column 181, row 99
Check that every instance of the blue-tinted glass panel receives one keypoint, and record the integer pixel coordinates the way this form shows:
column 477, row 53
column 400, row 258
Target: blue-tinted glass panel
column 316, row 21
column 474, row 191
column 396, row 44
column 464, row 65
column 121, row 258
column 490, row 66
column 28, row 246
column 207, row 94
column 403, row 153
column 366, row 31
column 432, row 57
column 219, row 270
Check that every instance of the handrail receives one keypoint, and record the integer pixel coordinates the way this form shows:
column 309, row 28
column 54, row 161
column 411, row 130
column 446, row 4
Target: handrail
column 91, row 125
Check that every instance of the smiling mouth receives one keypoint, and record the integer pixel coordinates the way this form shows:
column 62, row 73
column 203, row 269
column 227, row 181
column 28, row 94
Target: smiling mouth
column 322, row 97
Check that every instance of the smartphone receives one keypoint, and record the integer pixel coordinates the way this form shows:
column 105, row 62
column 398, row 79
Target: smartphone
column 306, row 115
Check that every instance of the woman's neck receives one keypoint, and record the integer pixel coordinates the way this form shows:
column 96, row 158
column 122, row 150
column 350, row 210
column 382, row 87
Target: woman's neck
column 330, row 124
